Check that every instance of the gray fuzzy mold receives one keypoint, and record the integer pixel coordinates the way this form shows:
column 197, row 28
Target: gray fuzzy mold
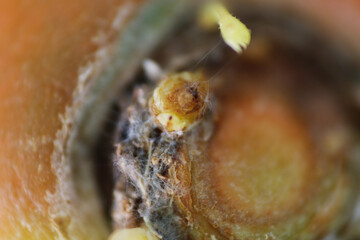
column 144, row 155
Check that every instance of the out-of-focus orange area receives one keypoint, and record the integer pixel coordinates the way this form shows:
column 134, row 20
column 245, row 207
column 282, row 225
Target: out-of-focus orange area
column 42, row 46
column 339, row 18
column 262, row 157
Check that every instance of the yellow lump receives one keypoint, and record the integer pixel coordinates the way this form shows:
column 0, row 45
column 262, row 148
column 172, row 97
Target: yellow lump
column 180, row 101
column 139, row 233
column 235, row 33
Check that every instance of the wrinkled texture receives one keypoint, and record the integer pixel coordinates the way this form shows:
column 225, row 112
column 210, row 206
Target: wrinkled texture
column 43, row 45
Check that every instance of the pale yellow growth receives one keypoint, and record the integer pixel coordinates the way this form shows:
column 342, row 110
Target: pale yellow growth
column 140, row 233
column 180, row 101
column 177, row 123
column 234, row 32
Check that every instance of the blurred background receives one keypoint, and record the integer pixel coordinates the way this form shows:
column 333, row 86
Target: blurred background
column 53, row 52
